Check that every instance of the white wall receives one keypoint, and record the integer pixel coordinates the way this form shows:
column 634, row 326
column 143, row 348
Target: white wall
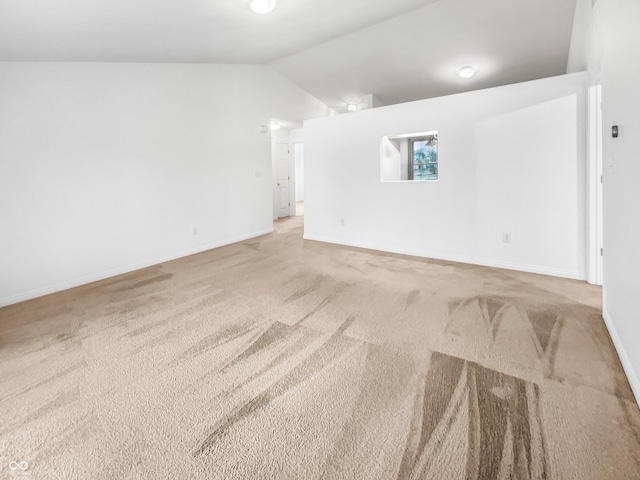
column 512, row 159
column 106, row 168
column 606, row 41
column 296, row 135
column 391, row 159
column 296, row 138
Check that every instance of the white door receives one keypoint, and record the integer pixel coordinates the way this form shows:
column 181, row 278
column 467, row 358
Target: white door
column 282, row 179
column 298, row 154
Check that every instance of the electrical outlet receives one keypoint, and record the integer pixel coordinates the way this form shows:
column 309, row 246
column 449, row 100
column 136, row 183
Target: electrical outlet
column 342, row 222
column 506, row 237
column 194, row 231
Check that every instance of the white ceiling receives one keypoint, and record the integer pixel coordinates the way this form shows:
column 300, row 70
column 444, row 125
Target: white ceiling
column 337, row 50
column 180, row 31
column 417, row 55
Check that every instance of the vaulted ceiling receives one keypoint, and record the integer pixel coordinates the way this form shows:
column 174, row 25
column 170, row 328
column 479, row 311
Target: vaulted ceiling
column 337, row 50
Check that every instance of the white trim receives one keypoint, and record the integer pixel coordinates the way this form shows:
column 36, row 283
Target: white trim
column 554, row 272
column 124, row 269
column 594, row 260
column 599, row 190
column 634, row 381
column 409, row 135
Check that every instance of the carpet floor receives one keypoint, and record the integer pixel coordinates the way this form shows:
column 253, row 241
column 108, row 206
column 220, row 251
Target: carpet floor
column 278, row 358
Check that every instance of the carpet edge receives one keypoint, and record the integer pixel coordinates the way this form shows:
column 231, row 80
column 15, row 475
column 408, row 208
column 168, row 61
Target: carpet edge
column 95, row 277
column 554, row 272
column 627, row 366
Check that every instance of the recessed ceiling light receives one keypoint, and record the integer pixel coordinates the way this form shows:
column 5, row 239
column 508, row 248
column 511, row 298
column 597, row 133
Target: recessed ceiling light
column 352, row 107
column 275, row 126
column 262, row 6
column 467, row 71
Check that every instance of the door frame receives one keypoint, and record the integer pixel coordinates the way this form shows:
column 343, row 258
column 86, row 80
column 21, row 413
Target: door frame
column 595, row 178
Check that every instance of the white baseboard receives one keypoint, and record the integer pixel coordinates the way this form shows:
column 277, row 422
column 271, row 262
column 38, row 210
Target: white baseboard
column 634, row 381
column 40, row 292
column 575, row 275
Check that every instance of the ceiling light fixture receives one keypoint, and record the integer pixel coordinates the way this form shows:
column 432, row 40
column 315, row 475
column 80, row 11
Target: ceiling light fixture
column 352, row 107
column 262, row 6
column 467, row 71
column 275, row 126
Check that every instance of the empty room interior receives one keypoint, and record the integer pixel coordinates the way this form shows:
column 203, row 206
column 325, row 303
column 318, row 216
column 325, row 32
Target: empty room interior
column 320, row 239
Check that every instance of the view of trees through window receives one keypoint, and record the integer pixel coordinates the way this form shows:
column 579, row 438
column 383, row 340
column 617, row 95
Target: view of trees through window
column 424, row 158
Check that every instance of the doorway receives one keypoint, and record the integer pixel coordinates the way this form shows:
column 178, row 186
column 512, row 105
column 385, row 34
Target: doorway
column 284, row 139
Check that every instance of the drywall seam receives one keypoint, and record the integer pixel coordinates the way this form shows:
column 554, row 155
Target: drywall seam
column 634, row 381
column 554, row 272
column 124, row 269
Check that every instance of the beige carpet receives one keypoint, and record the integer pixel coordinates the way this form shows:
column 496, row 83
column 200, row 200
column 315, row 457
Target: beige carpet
column 279, row 358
